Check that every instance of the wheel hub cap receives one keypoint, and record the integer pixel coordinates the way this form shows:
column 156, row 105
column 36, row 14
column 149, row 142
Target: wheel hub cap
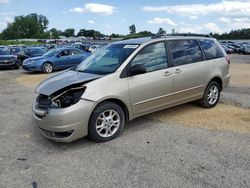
column 213, row 94
column 108, row 123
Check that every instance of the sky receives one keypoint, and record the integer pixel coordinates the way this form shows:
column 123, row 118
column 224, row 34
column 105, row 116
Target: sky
column 115, row 16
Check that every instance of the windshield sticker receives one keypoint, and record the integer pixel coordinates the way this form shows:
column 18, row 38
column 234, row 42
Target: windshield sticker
column 131, row 46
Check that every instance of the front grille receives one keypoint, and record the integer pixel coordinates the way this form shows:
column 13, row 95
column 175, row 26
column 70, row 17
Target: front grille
column 7, row 62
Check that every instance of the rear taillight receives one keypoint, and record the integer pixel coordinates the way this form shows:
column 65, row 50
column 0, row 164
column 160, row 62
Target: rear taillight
column 228, row 59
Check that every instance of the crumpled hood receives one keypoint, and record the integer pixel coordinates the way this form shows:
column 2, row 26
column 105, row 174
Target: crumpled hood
column 62, row 80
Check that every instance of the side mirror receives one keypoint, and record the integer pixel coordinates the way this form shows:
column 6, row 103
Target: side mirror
column 138, row 69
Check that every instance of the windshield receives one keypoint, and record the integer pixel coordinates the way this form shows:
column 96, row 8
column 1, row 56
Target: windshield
column 107, row 60
column 15, row 50
column 36, row 51
column 52, row 53
column 3, row 52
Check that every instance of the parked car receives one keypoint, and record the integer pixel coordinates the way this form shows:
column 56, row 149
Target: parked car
column 30, row 52
column 245, row 49
column 128, row 79
column 61, row 58
column 236, row 47
column 15, row 50
column 5, row 48
column 7, row 60
column 94, row 48
column 228, row 50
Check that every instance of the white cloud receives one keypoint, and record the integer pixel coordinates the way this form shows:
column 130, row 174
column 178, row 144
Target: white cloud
column 224, row 20
column 161, row 21
column 95, row 8
column 235, row 23
column 212, row 27
column 8, row 19
column 123, row 20
column 4, row 1
column 7, row 13
column 191, row 29
column 107, row 25
column 77, row 10
column 91, row 21
column 230, row 8
column 193, row 17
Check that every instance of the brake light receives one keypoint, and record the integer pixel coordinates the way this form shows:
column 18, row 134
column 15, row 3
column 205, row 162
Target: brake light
column 228, row 59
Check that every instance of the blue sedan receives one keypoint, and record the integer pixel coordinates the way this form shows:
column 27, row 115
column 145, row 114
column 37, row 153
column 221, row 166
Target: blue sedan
column 58, row 59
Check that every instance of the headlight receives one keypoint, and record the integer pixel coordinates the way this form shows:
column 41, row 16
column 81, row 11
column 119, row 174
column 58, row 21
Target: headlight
column 28, row 62
column 66, row 98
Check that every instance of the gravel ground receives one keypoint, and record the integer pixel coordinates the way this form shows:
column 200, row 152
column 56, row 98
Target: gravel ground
column 185, row 146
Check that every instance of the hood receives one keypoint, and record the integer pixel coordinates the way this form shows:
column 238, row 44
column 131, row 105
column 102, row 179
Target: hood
column 7, row 57
column 36, row 58
column 64, row 79
column 36, row 55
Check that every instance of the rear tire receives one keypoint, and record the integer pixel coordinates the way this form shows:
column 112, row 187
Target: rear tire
column 106, row 122
column 211, row 95
column 47, row 68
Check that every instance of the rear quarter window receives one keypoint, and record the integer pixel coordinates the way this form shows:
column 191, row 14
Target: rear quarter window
column 211, row 49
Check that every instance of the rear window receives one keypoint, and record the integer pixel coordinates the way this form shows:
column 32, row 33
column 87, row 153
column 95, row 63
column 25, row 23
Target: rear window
column 211, row 49
column 185, row 52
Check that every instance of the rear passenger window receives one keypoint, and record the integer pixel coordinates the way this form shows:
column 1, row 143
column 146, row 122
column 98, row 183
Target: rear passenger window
column 211, row 49
column 75, row 52
column 185, row 52
column 153, row 56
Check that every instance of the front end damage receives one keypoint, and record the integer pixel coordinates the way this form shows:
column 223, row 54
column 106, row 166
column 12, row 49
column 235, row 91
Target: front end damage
column 63, row 115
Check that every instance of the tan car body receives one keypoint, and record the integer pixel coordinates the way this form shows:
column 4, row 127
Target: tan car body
column 138, row 95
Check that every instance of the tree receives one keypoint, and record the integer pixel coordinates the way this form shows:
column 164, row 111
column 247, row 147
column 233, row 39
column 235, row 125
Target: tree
column 70, row 32
column 54, row 33
column 132, row 29
column 89, row 33
column 29, row 26
column 161, row 31
column 140, row 34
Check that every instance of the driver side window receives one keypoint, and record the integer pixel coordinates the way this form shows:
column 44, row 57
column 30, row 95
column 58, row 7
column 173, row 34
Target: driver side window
column 153, row 57
column 64, row 53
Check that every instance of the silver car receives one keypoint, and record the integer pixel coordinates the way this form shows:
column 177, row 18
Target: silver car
column 128, row 79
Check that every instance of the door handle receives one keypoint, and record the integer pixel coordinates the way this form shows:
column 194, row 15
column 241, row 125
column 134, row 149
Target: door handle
column 177, row 71
column 167, row 73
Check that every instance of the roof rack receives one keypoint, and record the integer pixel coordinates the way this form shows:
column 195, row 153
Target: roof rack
column 181, row 34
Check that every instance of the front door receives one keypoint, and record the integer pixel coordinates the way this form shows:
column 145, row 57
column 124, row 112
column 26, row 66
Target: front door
column 152, row 90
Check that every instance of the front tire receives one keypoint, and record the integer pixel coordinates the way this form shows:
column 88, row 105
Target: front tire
column 47, row 68
column 211, row 95
column 106, row 122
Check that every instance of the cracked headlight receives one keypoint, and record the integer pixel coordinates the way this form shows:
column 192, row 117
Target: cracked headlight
column 66, row 98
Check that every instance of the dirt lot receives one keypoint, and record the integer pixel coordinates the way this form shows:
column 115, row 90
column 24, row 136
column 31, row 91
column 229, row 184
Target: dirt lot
column 185, row 146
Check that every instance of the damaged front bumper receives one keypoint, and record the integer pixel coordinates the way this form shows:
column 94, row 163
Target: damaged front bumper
column 64, row 124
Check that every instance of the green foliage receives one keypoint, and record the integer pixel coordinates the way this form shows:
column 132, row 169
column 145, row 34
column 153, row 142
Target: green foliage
column 70, row 32
column 234, row 34
column 132, row 29
column 161, row 31
column 115, row 35
column 29, row 26
column 54, row 33
column 138, row 35
column 89, row 33
column 15, row 42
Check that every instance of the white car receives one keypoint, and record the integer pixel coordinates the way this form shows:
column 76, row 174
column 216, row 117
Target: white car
column 94, row 48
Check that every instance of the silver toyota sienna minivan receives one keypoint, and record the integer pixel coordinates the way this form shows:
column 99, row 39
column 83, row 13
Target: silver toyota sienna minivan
column 128, row 79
